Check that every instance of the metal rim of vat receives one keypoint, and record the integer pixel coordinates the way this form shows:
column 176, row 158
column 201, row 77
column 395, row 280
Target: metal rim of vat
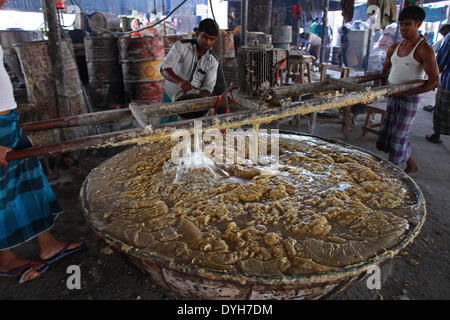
column 349, row 273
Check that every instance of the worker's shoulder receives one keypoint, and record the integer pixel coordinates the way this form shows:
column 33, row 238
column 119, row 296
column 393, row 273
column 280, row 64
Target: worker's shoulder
column 447, row 38
column 192, row 41
column 395, row 45
column 424, row 49
column 213, row 54
column 392, row 48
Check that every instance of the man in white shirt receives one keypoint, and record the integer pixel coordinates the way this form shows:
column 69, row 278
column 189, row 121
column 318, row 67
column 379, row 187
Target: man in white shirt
column 191, row 64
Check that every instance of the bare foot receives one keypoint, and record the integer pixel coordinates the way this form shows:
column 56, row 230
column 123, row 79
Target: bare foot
column 411, row 169
column 55, row 248
column 411, row 166
column 9, row 261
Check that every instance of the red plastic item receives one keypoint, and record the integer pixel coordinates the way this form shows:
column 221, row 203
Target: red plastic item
column 60, row 4
column 296, row 10
column 216, row 107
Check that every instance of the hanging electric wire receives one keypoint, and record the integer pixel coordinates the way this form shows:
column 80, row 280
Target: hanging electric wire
column 75, row 2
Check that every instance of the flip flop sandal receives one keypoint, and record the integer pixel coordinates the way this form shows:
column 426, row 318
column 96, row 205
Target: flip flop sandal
column 31, row 273
column 64, row 252
column 23, row 271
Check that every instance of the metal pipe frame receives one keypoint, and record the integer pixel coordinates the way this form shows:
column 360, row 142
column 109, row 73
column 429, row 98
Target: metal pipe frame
column 220, row 122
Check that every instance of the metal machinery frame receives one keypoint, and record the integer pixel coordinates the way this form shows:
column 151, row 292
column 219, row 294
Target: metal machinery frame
column 248, row 111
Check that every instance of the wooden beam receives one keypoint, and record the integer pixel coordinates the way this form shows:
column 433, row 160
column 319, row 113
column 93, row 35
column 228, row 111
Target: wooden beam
column 78, row 120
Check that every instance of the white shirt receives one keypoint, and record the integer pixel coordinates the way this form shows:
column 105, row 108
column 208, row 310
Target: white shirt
column 7, row 101
column 182, row 59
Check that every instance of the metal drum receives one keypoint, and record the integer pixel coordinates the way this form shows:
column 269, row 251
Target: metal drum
column 38, row 69
column 141, row 59
column 10, row 37
column 192, row 281
column 282, row 36
column 99, row 21
column 104, row 70
column 37, row 66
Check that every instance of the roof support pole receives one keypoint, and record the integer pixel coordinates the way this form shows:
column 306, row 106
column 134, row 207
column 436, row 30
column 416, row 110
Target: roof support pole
column 56, row 53
column 244, row 16
column 323, row 45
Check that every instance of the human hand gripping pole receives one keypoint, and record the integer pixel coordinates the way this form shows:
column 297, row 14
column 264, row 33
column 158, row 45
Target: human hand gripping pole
column 3, row 152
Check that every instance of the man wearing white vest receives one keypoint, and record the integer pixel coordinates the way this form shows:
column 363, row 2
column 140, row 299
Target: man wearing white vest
column 408, row 60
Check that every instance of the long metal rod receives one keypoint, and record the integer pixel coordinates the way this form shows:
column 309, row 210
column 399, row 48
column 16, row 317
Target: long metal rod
column 165, row 109
column 156, row 110
column 223, row 121
column 244, row 16
column 323, row 45
column 78, row 120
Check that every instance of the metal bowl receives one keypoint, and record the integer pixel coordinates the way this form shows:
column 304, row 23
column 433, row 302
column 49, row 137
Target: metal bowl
column 195, row 282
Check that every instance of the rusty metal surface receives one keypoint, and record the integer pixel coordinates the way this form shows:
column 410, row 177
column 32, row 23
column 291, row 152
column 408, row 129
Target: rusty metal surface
column 195, row 282
column 141, row 59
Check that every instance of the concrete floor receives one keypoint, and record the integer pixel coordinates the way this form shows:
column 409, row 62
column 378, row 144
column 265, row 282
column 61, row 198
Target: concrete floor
column 418, row 272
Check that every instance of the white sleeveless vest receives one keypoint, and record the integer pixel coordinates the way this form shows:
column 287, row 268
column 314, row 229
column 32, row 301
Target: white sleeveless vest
column 405, row 69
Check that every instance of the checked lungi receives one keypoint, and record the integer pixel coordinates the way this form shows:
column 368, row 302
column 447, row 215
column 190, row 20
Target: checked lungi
column 400, row 114
column 441, row 117
column 28, row 205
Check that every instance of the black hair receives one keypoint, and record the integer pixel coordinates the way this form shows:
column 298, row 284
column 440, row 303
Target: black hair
column 209, row 26
column 345, row 29
column 412, row 12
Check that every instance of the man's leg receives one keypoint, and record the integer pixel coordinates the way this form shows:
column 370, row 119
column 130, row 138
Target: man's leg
column 344, row 58
column 404, row 109
column 49, row 246
column 9, row 261
column 441, row 116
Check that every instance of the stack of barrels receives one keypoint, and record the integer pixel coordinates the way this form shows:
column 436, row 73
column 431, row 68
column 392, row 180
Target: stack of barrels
column 104, row 71
column 120, row 69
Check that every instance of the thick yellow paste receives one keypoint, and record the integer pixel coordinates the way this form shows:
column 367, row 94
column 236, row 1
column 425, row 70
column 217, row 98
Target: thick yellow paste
column 323, row 208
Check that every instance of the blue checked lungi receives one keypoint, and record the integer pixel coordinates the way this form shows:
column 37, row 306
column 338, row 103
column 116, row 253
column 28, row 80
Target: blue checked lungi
column 400, row 114
column 171, row 118
column 28, row 205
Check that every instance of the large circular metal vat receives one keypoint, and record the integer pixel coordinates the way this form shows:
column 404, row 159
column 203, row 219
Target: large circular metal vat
column 192, row 281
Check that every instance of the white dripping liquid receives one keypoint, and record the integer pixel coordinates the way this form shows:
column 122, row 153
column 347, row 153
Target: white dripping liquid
column 184, row 164
column 190, row 160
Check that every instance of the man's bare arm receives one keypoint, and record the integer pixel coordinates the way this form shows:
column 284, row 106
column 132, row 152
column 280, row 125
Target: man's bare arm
column 387, row 65
column 171, row 76
column 3, row 152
